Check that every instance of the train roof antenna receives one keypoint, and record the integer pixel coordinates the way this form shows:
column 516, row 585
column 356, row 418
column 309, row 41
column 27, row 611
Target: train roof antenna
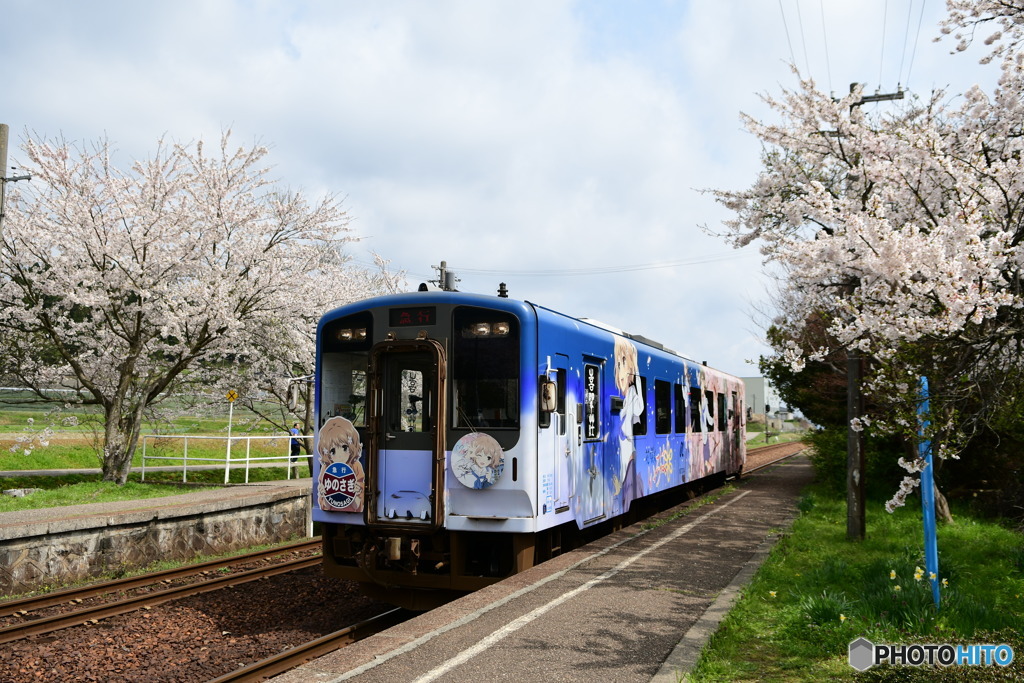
column 446, row 279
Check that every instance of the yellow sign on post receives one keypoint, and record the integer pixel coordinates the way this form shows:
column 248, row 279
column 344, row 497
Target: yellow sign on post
column 231, row 396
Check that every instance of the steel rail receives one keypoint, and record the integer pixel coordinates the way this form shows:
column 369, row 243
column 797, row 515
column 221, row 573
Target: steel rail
column 289, row 659
column 94, row 614
column 12, row 607
column 776, row 461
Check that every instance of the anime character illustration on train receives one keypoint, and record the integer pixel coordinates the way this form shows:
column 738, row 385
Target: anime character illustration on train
column 340, row 482
column 477, row 460
column 627, row 375
column 465, row 438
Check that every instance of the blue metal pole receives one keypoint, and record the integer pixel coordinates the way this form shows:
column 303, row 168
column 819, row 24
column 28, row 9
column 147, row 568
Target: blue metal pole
column 931, row 545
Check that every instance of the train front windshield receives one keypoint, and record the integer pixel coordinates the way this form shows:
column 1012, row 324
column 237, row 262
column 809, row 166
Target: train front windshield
column 485, row 365
column 483, row 354
column 346, row 350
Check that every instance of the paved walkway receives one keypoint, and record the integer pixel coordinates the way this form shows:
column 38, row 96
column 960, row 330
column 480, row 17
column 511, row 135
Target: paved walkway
column 637, row 605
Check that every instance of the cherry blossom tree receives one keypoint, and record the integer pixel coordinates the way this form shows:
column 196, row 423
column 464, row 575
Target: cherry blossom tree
column 900, row 229
column 277, row 387
column 180, row 274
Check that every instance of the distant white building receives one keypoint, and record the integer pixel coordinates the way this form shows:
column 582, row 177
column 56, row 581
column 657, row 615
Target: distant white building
column 762, row 399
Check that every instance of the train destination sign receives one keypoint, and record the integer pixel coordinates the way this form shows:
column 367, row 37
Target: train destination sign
column 419, row 315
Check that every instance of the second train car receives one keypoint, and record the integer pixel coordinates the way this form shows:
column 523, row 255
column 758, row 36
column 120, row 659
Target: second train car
column 463, row 438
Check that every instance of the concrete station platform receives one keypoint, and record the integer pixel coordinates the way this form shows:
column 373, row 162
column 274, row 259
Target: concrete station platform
column 61, row 544
column 637, row 605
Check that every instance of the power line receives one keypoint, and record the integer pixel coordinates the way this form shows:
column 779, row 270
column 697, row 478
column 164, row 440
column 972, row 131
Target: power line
column 920, row 18
column 792, row 57
column 604, row 270
column 881, row 56
column 824, row 33
column 906, row 38
column 803, row 38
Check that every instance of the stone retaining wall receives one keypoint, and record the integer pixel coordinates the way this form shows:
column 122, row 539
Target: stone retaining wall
column 54, row 552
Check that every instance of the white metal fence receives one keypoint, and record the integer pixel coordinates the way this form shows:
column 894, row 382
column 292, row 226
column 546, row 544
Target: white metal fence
column 227, row 460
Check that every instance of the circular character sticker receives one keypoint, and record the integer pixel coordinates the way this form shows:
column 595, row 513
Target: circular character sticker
column 477, row 460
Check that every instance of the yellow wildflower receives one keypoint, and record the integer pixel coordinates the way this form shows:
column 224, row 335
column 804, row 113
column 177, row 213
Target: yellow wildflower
column 771, row 593
column 842, row 618
column 931, row 576
column 945, row 583
column 897, row 588
column 892, row 574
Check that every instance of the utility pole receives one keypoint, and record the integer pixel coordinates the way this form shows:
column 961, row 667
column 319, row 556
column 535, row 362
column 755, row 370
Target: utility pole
column 4, row 179
column 856, row 461
column 4, row 131
column 446, row 279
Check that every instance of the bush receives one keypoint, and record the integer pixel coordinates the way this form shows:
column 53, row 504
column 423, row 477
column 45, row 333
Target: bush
column 828, row 456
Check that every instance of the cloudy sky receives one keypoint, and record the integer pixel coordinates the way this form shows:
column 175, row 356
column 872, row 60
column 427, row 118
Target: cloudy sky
column 557, row 146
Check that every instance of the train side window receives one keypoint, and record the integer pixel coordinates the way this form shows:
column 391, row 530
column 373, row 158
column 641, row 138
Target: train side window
column 547, row 401
column 561, row 400
column 680, row 425
column 695, row 411
column 662, row 407
column 709, row 396
column 640, row 428
column 722, row 422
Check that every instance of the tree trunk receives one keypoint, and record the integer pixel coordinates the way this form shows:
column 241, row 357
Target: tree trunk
column 121, row 435
column 307, row 422
column 117, row 458
column 942, row 507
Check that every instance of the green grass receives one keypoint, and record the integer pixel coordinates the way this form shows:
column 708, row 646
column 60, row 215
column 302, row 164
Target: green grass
column 81, row 493
column 817, row 592
column 75, row 441
column 81, row 489
column 774, row 438
column 72, row 447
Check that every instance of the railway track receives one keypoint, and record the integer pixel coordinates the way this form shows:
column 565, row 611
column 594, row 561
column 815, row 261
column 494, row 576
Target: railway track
column 765, row 456
column 760, row 458
column 300, row 654
column 33, row 625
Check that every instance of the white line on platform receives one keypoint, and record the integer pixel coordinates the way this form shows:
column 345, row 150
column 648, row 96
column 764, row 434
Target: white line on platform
column 522, row 621
column 526, row 619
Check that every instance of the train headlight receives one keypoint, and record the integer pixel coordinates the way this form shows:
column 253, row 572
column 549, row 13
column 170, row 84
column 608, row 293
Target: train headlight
column 480, row 329
column 500, row 329
column 350, row 334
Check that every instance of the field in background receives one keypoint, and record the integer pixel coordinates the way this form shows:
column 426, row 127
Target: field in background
column 77, row 430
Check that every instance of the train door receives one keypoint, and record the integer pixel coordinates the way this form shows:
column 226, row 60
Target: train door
column 738, row 437
column 406, row 433
column 565, row 434
column 593, row 492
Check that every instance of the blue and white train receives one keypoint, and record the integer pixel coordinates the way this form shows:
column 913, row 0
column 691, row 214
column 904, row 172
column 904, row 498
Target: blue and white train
column 463, row 438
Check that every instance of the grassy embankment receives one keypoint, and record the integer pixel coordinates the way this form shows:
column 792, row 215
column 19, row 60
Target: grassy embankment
column 72, row 445
column 817, row 592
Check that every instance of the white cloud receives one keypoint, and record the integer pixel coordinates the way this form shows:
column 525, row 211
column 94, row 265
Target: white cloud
column 506, row 136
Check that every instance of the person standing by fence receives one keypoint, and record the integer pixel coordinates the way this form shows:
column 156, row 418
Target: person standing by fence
column 294, row 431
